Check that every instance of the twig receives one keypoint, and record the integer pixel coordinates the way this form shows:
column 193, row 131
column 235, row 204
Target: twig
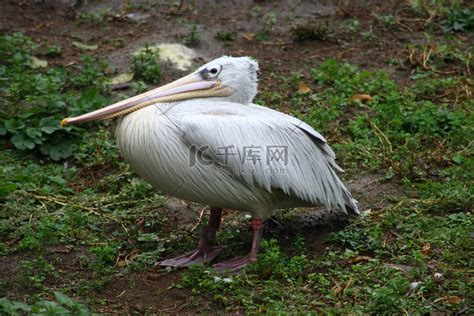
column 426, row 57
column 201, row 214
column 378, row 131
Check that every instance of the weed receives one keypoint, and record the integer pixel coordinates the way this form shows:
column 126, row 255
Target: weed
column 458, row 19
column 368, row 36
column 53, row 50
column 145, row 64
column 269, row 21
column 37, row 99
column 225, row 36
column 309, row 31
column 272, row 264
column 389, row 21
column 255, row 10
column 409, row 122
column 63, row 305
column 34, row 272
column 104, row 257
column 193, row 37
column 139, row 87
column 93, row 18
column 353, row 26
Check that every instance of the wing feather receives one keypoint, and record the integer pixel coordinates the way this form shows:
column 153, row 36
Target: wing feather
column 255, row 137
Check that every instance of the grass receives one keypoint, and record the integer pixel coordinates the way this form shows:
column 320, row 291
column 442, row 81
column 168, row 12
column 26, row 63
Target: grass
column 66, row 197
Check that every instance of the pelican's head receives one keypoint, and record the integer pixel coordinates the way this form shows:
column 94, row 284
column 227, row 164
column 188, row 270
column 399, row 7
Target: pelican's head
column 238, row 73
column 233, row 79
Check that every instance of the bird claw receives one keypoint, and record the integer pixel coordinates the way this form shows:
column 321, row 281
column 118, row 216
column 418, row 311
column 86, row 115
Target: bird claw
column 194, row 257
column 234, row 265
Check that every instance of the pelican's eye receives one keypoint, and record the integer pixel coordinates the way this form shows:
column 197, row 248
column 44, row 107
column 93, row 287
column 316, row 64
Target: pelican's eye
column 211, row 72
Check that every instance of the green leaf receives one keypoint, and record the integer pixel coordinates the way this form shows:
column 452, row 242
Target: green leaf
column 12, row 125
column 57, row 180
column 3, row 130
column 49, row 125
column 57, row 151
column 22, row 142
column 85, row 46
column 7, row 188
column 49, row 308
column 12, row 307
column 457, row 159
column 34, row 135
column 147, row 237
column 63, row 299
column 20, row 305
column 37, row 63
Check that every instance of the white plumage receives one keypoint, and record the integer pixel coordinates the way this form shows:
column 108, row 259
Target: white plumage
column 160, row 143
column 224, row 151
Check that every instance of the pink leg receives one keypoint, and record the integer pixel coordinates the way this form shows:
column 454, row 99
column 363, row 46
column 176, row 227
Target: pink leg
column 205, row 252
column 236, row 264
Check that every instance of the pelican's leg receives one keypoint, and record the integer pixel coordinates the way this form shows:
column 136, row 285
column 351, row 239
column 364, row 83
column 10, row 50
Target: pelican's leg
column 236, row 264
column 205, row 252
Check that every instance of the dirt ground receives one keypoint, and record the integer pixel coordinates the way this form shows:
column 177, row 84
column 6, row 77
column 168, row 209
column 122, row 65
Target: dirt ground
column 55, row 22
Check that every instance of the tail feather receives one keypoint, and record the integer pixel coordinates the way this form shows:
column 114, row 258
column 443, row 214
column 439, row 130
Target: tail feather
column 350, row 203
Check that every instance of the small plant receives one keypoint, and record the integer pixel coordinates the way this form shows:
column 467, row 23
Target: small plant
column 225, row 36
column 139, row 87
column 458, row 19
column 145, row 64
column 255, row 10
column 64, row 305
column 36, row 99
column 95, row 18
column 104, row 257
column 309, row 31
column 269, row 21
column 388, row 21
column 353, row 26
column 193, row 37
column 53, row 50
column 368, row 36
column 36, row 271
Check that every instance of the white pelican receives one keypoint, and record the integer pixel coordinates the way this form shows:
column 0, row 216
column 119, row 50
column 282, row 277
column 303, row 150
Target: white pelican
column 201, row 139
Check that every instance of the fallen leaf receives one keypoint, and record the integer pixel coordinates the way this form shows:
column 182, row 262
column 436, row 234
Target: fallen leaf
column 451, row 299
column 134, row 254
column 60, row 249
column 249, row 36
column 361, row 97
column 401, row 267
column 44, row 25
column 38, row 63
column 358, row 259
column 121, row 293
column 85, row 46
column 122, row 78
column 426, row 249
column 303, row 88
column 122, row 263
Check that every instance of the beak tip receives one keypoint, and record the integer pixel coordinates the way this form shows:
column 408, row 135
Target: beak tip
column 64, row 122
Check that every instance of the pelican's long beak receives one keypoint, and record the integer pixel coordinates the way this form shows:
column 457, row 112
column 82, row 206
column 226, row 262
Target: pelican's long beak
column 188, row 87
